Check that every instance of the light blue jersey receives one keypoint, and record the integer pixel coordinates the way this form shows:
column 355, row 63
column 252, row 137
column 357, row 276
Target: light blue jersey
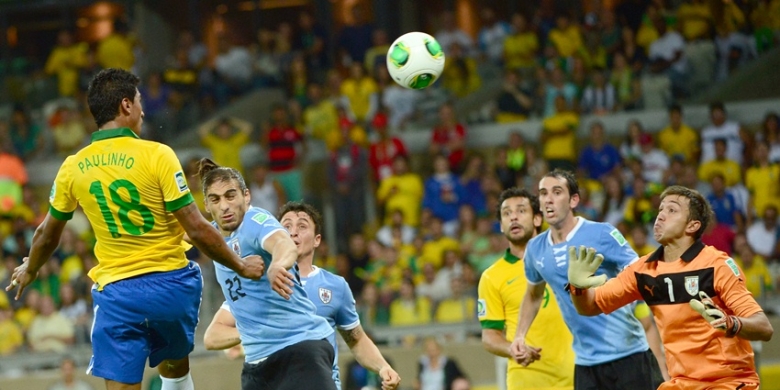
column 599, row 339
column 266, row 322
column 334, row 301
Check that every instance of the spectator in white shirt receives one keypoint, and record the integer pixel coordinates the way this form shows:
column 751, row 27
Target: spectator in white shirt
column 233, row 66
column 450, row 33
column 720, row 127
column 667, row 55
column 654, row 161
column 599, row 96
column 762, row 234
column 491, row 36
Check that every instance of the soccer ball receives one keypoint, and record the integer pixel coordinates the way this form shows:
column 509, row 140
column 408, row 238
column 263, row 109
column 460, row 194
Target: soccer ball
column 415, row 60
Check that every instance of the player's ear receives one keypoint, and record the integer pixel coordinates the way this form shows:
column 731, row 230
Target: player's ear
column 317, row 240
column 537, row 221
column 125, row 105
column 247, row 197
column 574, row 201
column 692, row 227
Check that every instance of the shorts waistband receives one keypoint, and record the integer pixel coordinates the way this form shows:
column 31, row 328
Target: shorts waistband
column 258, row 361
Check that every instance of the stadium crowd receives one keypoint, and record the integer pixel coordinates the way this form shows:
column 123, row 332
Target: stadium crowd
column 437, row 230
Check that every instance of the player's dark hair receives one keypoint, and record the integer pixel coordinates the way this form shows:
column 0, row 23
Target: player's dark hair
column 301, row 207
column 698, row 207
column 107, row 90
column 209, row 173
column 515, row 192
column 571, row 181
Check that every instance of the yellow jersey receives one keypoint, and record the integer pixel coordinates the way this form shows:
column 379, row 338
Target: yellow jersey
column 501, row 290
column 128, row 189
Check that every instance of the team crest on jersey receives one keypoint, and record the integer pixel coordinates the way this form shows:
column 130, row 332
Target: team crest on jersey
column 325, row 295
column 235, row 247
column 481, row 308
column 181, row 182
column 692, row 285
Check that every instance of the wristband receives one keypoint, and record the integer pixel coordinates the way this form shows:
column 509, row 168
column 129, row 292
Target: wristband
column 573, row 290
column 736, row 326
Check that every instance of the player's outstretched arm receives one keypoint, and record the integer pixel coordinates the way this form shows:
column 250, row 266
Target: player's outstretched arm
column 44, row 242
column 209, row 241
column 368, row 355
column 222, row 332
column 529, row 308
column 284, row 253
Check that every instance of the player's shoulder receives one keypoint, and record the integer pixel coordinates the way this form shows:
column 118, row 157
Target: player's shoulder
column 257, row 215
column 709, row 255
column 539, row 242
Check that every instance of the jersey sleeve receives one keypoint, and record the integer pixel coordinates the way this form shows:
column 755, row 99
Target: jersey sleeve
column 225, row 307
column 617, row 253
column 490, row 309
column 173, row 183
column 346, row 317
column 531, row 273
column 618, row 291
column 732, row 290
column 62, row 202
column 263, row 225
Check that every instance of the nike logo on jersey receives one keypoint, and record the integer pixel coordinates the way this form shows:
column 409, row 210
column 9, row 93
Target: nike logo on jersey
column 508, row 282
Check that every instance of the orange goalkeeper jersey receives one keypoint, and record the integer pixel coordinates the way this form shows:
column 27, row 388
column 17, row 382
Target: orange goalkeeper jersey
column 694, row 349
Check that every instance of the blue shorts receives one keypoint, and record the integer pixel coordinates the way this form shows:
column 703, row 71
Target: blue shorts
column 148, row 316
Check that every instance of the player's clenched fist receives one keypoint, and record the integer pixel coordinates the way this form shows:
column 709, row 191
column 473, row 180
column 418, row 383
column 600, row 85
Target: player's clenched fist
column 281, row 280
column 254, row 267
column 390, row 378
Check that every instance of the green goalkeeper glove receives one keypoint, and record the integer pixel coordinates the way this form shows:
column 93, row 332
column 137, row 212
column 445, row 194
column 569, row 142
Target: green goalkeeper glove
column 583, row 263
column 715, row 315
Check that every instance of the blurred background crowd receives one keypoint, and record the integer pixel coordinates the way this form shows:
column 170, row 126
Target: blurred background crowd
column 413, row 231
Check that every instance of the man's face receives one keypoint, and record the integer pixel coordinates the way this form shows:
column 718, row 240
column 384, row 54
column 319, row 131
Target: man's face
column 302, row 230
column 518, row 222
column 556, row 203
column 227, row 204
column 136, row 114
column 672, row 220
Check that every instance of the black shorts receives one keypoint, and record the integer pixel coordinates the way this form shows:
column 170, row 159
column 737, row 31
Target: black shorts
column 639, row 371
column 305, row 365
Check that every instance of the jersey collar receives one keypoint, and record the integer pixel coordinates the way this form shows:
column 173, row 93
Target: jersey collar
column 113, row 133
column 510, row 258
column 687, row 256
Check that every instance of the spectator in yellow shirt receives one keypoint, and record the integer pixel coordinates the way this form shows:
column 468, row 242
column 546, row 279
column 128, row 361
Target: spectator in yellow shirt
column 679, row 139
column 762, row 180
column 65, row 61
column 11, row 337
column 559, row 136
column 638, row 240
column 320, row 118
column 361, row 91
column 458, row 307
column 758, row 279
column 116, row 50
column 402, row 191
column 729, row 169
column 520, row 48
column 225, row 137
column 433, row 250
column 408, row 308
column 566, row 36
column 695, row 20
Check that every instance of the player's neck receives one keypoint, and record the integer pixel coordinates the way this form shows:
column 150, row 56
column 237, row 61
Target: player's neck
column 517, row 250
column 114, row 124
column 563, row 229
column 674, row 250
column 306, row 265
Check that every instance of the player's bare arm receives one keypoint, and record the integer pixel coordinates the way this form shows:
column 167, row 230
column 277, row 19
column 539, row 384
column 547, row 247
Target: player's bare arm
column 222, row 332
column 284, row 253
column 529, row 308
column 44, row 242
column 368, row 355
column 495, row 342
column 654, row 341
column 210, row 242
